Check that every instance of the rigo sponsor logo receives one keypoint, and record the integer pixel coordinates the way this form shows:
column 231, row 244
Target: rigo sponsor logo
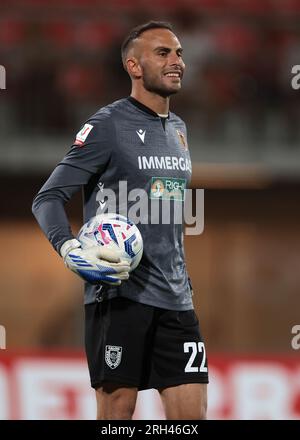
column 167, row 188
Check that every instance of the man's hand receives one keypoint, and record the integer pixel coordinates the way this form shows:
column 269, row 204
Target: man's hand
column 95, row 264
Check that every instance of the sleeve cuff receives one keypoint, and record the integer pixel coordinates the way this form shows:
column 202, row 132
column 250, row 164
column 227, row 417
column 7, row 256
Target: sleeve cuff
column 68, row 245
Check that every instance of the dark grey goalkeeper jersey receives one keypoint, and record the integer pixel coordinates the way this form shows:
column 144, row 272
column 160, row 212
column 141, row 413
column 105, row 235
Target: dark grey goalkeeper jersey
column 130, row 150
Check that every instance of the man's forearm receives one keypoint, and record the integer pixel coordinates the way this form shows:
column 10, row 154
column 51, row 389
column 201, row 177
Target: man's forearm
column 48, row 209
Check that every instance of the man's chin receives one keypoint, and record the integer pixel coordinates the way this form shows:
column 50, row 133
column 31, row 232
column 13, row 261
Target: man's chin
column 173, row 92
column 165, row 92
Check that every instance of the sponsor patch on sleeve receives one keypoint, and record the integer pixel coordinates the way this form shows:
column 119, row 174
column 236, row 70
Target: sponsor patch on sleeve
column 83, row 134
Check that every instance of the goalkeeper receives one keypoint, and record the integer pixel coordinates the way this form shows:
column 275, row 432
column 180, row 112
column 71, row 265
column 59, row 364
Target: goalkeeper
column 141, row 332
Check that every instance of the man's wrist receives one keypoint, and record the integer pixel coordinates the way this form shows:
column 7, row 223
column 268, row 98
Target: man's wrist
column 68, row 246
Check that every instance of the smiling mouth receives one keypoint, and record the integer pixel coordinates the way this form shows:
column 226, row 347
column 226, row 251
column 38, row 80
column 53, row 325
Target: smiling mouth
column 173, row 75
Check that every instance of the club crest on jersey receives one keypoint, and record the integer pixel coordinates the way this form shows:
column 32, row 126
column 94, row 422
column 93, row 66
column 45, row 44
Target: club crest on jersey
column 83, row 134
column 182, row 139
column 113, row 356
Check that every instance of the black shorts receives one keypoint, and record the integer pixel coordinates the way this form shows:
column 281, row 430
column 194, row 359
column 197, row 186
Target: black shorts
column 142, row 346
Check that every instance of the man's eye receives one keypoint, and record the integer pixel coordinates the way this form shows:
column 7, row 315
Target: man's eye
column 163, row 53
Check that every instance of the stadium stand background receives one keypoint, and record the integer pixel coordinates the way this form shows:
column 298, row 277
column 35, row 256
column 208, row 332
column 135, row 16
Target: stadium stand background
column 62, row 63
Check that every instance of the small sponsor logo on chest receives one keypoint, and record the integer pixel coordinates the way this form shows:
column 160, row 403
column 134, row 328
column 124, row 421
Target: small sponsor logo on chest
column 167, row 188
column 141, row 134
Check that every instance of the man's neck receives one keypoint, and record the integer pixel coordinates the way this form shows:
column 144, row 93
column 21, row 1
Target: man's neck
column 153, row 101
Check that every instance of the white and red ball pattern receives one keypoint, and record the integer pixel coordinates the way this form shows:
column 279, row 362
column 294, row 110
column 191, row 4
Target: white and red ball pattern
column 116, row 232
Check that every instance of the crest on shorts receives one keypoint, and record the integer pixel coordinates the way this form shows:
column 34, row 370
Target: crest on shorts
column 113, row 356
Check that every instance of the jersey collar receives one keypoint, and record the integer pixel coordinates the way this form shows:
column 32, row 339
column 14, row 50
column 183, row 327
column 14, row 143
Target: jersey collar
column 143, row 107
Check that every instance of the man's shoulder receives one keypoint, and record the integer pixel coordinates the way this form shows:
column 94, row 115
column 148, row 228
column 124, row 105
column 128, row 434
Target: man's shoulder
column 176, row 120
column 103, row 114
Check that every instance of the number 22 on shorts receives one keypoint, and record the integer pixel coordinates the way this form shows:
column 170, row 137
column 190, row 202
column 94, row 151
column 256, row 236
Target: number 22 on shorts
column 195, row 347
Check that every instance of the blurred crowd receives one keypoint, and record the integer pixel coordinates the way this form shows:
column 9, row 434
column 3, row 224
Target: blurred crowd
column 63, row 62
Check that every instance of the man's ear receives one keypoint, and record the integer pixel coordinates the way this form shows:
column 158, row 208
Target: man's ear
column 133, row 67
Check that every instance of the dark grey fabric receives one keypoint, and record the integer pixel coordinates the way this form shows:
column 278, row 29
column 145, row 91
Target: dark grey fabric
column 113, row 152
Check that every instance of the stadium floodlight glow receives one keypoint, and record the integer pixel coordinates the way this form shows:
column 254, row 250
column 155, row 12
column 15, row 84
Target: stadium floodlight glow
column 2, row 78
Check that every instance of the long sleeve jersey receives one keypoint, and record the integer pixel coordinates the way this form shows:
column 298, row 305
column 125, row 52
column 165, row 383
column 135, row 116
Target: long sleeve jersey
column 124, row 149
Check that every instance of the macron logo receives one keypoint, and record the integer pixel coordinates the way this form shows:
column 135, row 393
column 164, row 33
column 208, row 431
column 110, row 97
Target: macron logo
column 141, row 134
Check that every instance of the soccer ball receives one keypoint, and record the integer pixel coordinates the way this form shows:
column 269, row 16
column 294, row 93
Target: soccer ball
column 117, row 233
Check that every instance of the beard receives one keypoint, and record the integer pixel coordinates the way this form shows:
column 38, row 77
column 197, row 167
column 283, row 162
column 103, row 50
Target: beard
column 154, row 85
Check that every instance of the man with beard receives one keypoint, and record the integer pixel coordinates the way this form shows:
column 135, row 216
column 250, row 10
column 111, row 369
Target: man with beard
column 141, row 331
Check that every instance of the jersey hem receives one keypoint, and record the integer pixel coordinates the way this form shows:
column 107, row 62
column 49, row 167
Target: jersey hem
column 177, row 308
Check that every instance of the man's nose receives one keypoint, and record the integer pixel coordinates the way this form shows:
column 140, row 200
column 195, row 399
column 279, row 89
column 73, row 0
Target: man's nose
column 176, row 60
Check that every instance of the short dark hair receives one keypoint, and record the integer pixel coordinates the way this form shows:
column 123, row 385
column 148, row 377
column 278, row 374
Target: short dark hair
column 139, row 30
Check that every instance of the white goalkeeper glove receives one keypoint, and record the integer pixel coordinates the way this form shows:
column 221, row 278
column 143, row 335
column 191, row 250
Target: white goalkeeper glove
column 95, row 264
